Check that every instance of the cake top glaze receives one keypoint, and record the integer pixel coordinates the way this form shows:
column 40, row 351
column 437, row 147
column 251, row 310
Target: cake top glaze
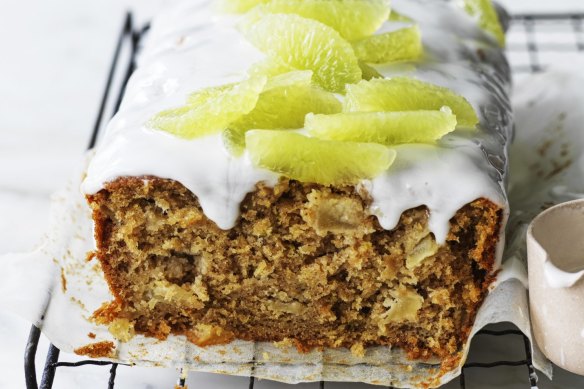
column 191, row 46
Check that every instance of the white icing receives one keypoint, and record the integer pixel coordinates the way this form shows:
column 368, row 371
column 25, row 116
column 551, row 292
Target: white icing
column 191, row 47
column 202, row 165
column 421, row 175
column 558, row 278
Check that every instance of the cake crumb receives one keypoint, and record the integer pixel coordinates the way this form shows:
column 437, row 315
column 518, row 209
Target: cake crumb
column 91, row 335
column 284, row 343
column 358, row 350
column 90, row 255
column 103, row 349
column 206, row 335
column 63, row 281
column 122, row 330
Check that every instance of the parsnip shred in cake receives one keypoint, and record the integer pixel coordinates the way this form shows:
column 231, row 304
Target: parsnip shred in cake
column 197, row 237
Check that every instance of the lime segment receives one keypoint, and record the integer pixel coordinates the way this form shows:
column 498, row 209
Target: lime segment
column 283, row 104
column 306, row 44
column 353, row 19
column 387, row 128
column 407, row 94
column 269, row 67
column 401, row 45
column 313, row 160
column 487, row 18
column 210, row 110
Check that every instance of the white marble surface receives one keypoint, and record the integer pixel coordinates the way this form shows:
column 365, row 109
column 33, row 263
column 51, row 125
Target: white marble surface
column 55, row 56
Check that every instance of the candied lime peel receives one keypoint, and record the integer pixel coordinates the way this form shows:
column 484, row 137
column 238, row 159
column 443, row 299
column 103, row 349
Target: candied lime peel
column 214, row 109
column 353, row 19
column 407, row 94
column 404, row 44
column 308, row 159
column 388, row 128
column 234, row 141
column 306, row 44
column 487, row 16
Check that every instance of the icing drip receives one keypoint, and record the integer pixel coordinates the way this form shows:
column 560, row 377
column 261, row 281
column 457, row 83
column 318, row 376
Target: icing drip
column 219, row 180
column 420, row 176
column 191, row 47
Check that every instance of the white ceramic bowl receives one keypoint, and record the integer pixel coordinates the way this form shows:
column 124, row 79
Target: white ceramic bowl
column 555, row 250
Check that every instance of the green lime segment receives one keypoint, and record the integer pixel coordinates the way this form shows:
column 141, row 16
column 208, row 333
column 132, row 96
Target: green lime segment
column 407, row 94
column 210, row 110
column 293, row 78
column 388, row 128
column 369, row 72
column 487, row 16
column 283, row 104
column 270, row 67
column 353, row 19
column 208, row 94
column 397, row 17
column 234, row 141
column 306, row 44
column 286, row 107
column 401, row 45
column 324, row 162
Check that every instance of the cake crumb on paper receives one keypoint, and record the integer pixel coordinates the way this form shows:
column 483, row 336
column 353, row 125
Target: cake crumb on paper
column 97, row 350
column 63, row 281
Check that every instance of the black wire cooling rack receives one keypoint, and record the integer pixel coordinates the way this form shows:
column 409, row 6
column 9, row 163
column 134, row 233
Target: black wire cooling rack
column 528, row 53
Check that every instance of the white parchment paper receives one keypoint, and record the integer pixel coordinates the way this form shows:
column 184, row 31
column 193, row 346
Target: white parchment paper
column 57, row 289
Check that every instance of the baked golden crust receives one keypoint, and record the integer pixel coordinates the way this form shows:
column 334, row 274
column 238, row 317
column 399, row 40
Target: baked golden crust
column 305, row 263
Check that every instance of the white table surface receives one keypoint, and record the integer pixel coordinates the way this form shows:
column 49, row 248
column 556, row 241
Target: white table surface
column 55, row 57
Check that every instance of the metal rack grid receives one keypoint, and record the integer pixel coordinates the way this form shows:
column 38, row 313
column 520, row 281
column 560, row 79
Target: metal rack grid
column 523, row 41
column 530, row 51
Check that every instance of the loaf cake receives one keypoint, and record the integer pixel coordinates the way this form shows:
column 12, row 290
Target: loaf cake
column 322, row 173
